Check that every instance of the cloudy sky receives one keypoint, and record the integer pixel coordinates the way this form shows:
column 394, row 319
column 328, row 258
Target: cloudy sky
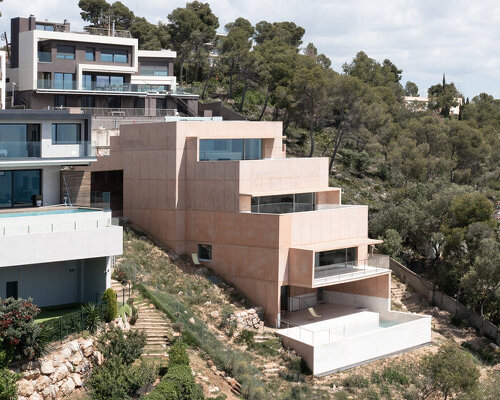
column 424, row 38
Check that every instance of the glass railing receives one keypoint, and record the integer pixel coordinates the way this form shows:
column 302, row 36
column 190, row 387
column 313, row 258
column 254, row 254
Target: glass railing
column 33, row 150
column 58, row 85
column 100, row 200
column 19, row 149
column 44, row 56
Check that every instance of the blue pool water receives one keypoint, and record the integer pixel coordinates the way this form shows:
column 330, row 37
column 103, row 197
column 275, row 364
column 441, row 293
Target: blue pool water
column 45, row 212
column 387, row 324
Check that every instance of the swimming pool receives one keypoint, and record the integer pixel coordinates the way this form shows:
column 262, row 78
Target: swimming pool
column 45, row 212
column 387, row 324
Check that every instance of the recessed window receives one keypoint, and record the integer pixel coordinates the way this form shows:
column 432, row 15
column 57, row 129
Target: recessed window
column 64, row 81
column 41, row 27
column 59, row 100
column 66, row 52
column 66, row 133
column 114, row 55
column 230, row 149
column 156, row 70
column 90, row 54
column 88, row 101
column 205, row 252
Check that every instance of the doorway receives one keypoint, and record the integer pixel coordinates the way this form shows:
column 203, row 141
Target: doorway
column 11, row 290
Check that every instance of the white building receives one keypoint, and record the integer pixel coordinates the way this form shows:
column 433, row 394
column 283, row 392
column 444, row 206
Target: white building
column 56, row 254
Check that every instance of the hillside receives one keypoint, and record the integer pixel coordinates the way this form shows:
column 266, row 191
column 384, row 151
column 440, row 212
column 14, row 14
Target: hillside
column 198, row 308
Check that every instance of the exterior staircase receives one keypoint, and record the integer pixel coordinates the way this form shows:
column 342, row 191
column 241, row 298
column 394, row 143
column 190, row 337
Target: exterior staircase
column 151, row 321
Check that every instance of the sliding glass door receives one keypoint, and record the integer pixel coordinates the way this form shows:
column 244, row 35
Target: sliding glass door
column 17, row 187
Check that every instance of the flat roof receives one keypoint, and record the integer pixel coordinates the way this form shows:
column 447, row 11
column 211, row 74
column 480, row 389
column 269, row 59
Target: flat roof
column 338, row 244
column 290, row 191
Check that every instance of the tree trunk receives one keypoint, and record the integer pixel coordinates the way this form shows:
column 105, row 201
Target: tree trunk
column 210, row 73
column 265, row 106
column 240, row 108
column 181, row 73
column 311, row 137
column 338, row 140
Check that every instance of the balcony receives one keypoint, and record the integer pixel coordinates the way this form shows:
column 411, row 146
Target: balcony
column 44, row 56
column 93, row 86
column 57, row 233
column 33, row 150
column 349, row 270
column 19, row 149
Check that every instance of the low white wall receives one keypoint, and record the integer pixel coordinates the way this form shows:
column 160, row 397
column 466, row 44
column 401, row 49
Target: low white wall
column 357, row 300
column 75, row 281
column 354, row 350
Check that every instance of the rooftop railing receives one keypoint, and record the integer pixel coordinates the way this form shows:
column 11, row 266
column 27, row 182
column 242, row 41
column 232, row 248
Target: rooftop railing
column 106, row 32
column 347, row 270
column 119, row 112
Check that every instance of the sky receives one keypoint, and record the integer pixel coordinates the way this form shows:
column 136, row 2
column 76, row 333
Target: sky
column 424, row 38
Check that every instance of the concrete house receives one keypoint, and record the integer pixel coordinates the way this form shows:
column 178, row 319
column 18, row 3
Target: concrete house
column 271, row 225
column 100, row 70
column 53, row 252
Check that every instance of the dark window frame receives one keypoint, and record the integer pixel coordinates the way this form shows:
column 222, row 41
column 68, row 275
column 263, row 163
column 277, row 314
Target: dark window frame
column 69, row 54
column 55, row 140
column 111, row 55
column 14, row 171
column 90, row 51
column 204, row 247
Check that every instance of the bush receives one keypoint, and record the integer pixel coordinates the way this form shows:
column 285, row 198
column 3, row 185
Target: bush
column 246, row 337
column 110, row 307
column 450, row 371
column 178, row 355
column 183, row 381
column 127, row 347
column 395, row 375
column 115, row 380
column 20, row 336
column 135, row 315
column 165, row 390
column 355, row 381
column 8, row 379
column 91, row 317
column 119, row 275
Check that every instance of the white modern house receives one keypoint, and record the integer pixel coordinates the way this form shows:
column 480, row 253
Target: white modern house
column 50, row 250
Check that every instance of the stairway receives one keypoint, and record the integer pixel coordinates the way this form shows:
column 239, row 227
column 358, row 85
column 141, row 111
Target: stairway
column 397, row 293
column 150, row 321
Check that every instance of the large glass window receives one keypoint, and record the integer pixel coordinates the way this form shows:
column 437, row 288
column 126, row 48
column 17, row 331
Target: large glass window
column 59, row 100
column 340, row 257
column 87, row 82
column 41, row 27
column 88, row 101
column 156, row 70
column 114, row 55
column 205, row 252
column 18, row 187
column 66, row 133
column 284, row 203
column 19, row 140
column 64, row 81
column 90, row 54
column 230, row 149
column 116, row 81
column 66, row 52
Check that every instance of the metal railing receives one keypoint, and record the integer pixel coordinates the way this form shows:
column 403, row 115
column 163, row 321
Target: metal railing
column 44, row 56
column 346, row 270
column 303, row 302
column 118, row 112
column 91, row 30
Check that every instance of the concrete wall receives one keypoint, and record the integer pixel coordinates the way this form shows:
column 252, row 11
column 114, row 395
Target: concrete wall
column 58, row 237
column 65, row 282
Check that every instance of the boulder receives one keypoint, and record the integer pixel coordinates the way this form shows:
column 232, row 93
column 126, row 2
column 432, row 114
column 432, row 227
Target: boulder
column 77, row 379
column 98, row 358
column 50, row 392
column 191, row 320
column 214, row 314
column 61, row 373
column 65, row 353
column 47, row 367
column 25, row 388
column 42, row 382
column 31, row 374
column 35, row 396
column 76, row 358
column 30, row 365
column 73, row 346
column 68, row 387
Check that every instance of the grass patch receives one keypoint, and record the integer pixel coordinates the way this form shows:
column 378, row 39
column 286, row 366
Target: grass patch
column 52, row 312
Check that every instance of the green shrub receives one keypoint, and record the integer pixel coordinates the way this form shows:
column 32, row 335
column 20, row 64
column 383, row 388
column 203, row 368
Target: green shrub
column 91, row 317
column 124, row 311
column 178, row 355
column 165, row 390
column 128, row 347
column 183, row 380
column 246, row 337
column 370, row 394
column 110, row 306
column 355, row 381
column 20, row 336
column 8, row 379
column 119, row 275
column 115, row 380
column 395, row 375
column 135, row 315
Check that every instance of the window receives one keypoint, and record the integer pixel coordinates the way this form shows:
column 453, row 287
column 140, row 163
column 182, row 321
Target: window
column 90, row 54
column 101, row 81
column 156, row 70
column 88, row 101
column 285, row 203
column 340, row 257
column 230, row 149
column 205, row 252
column 114, row 102
column 19, row 140
column 64, row 81
column 66, row 52
column 17, row 187
column 66, row 134
column 87, row 82
column 116, row 81
column 59, row 100
column 114, row 55
column 40, row 27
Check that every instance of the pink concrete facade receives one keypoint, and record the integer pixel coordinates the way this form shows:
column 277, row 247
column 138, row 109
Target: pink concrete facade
column 183, row 202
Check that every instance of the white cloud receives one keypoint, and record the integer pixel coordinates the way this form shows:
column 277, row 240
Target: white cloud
column 425, row 38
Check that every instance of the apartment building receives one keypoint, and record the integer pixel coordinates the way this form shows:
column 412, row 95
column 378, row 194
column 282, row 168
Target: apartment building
column 50, row 250
column 2, row 79
column 271, row 225
column 97, row 70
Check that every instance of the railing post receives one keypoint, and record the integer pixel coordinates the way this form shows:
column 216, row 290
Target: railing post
column 81, row 316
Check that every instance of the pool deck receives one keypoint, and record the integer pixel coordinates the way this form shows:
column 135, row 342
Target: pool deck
column 326, row 311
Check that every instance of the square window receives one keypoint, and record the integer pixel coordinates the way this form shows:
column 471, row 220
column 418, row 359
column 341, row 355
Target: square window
column 90, row 54
column 66, row 52
column 205, row 252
